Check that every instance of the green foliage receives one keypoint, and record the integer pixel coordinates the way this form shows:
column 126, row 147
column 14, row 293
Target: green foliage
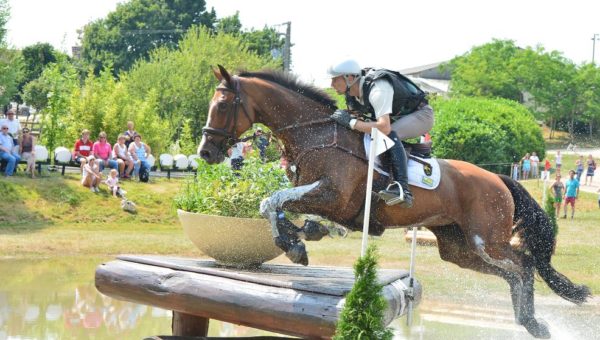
column 11, row 73
column 137, row 27
column 4, row 16
column 484, row 131
column 35, row 59
column 363, row 313
column 218, row 191
column 550, row 208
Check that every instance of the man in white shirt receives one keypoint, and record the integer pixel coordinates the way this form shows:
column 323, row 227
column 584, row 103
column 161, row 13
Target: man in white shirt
column 6, row 150
column 14, row 127
column 535, row 165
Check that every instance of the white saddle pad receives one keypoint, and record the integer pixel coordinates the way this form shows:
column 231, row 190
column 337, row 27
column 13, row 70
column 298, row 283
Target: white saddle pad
column 418, row 175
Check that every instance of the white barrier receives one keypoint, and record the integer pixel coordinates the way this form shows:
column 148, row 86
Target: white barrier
column 193, row 161
column 62, row 155
column 41, row 153
column 181, row 162
column 165, row 160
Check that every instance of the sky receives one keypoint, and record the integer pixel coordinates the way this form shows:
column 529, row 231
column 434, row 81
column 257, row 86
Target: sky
column 377, row 33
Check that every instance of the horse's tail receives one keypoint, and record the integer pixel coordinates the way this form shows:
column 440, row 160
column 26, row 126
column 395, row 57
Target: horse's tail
column 539, row 238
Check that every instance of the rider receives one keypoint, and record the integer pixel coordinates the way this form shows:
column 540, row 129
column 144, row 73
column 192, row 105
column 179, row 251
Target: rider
column 394, row 105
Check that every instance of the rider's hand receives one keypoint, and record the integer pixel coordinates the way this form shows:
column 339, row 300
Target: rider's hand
column 342, row 117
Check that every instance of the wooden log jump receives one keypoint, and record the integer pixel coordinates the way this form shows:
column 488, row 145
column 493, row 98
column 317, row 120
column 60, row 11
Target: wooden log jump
column 288, row 299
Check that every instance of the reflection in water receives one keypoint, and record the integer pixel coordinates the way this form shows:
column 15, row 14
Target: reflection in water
column 57, row 299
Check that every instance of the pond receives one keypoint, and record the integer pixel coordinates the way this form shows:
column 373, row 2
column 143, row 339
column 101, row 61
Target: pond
column 56, row 299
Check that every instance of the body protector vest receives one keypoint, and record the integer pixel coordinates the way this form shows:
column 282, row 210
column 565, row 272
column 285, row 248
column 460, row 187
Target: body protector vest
column 407, row 95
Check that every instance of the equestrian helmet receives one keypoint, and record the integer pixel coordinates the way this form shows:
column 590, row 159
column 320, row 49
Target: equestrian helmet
column 346, row 67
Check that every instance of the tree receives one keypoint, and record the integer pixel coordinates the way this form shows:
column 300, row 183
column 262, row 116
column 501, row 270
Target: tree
column 137, row 27
column 11, row 67
column 35, row 59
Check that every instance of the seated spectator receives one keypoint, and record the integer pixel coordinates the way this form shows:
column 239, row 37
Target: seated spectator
column 129, row 134
column 237, row 153
column 113, row 183
column 6, row 151
column 83, row 148
column 123, row 158
column 103, row 153
column 91, row 176
column 13, row 125
column 139, row 152
column 27, row 150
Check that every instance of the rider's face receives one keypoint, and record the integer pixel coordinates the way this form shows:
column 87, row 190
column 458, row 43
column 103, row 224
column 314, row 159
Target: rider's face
column 339, row 84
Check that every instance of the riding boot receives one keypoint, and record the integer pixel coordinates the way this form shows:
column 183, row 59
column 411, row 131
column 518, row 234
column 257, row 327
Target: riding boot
column 398, row 191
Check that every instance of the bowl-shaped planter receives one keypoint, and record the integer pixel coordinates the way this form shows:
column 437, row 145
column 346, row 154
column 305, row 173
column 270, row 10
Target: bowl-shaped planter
column 231, row 241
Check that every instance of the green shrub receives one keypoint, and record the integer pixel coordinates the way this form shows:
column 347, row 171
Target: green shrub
column 550, row 208
column 362, row 316
column 484, row 131
column 217, row 190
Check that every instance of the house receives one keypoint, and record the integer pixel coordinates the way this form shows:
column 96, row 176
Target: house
column 430, row 77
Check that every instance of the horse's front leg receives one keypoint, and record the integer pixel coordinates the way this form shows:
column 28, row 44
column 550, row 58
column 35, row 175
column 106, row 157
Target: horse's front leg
column 285, row 234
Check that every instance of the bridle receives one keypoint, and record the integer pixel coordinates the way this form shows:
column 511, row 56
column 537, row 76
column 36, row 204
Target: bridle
column 228, row 134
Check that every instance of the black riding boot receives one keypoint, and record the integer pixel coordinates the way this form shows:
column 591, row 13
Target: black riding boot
column 396, row 160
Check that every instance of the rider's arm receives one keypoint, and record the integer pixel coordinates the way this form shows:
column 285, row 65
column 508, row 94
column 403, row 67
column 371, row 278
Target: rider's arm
column 381, row 98
column 382, row 124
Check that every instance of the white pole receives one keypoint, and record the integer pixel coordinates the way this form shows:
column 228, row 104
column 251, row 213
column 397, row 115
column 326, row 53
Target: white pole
column 411, row 277
column 372, row 148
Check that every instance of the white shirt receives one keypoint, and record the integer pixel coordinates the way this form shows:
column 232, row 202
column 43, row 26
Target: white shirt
column 534, row 160
column 13, row 126
column 381, row 96
column 237, row 151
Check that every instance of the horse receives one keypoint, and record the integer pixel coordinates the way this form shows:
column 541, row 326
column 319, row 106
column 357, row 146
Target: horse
column 473, row 213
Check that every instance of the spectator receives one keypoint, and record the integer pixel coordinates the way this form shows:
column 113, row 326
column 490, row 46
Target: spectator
column 6, row 151
column 558, row 161
column 103, row 152
column 571, row 193
column 27, row 150
column 123, row 158
column 525, row 166
column 261, row 143
column 91, row 176
column 139, row 153
column 591, row 168
column 113, row 183
column 129, row 134
column 83, row 149
column 558, row 189
column 13, row 125
column 237, row 154
column 547, row 167
column 515, row 171
column 579, row 167
column 535, row 165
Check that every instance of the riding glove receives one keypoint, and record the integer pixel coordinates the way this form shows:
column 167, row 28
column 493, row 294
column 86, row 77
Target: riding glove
column 342, row 117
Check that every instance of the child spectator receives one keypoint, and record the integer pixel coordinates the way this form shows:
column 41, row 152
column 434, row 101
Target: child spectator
column 129, row 134
column 546, row 173
column 103, row 152
column 83, row 149
column 123, row 158
column 91, row 176
column 113, row 183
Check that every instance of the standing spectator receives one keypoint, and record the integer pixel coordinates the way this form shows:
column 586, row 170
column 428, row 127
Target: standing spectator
column 237, row 153
column 571, row 193
column 591, row 167
column 579, row 167
column 91, row 176
column 129, row 134
column 83, row 149
column 535, row 165
column 6, row 151
column 515, row 171
column 27, row 150
column 262, row 143
column 547, row 167
column 558, row 189
column 123, row 158
column 103, row 152
column 13, row 125
column 558, row 161
column 139, row 152
column 526, row 166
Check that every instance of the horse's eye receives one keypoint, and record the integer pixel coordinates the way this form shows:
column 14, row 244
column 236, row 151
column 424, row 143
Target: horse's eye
column 222, row 106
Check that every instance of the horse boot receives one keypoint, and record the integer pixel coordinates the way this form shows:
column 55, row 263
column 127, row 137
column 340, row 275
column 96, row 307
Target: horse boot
column 398, row 191
column 289, row 242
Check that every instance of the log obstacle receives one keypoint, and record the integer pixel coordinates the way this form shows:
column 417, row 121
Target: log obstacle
column 287, row 299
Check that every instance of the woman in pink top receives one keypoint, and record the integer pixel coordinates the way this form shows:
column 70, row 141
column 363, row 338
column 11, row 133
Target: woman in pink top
column 103, row 152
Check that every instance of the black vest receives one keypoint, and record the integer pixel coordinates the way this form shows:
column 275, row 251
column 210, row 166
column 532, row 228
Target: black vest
column 407, row 95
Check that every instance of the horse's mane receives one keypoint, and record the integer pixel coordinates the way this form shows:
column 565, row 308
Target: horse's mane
column 291, row 82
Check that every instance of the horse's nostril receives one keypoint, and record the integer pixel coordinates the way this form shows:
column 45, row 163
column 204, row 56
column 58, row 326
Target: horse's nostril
column 205, row 154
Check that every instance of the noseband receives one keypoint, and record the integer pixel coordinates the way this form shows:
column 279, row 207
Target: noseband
column 228, row 131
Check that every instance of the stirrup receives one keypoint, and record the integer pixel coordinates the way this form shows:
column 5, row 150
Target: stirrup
column 393, row 194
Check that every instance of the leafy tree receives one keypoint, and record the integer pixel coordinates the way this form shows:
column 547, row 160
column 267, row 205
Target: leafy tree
column 363, row 313
column 137, row 27
column 11, row 67
column 35, row 58
column 485, row 131
column 230, row 25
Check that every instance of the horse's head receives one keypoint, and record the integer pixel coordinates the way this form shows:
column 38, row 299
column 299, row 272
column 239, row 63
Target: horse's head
column 227, row 119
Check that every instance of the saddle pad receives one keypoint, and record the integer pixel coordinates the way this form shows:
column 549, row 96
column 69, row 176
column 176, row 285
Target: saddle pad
column 418, row 175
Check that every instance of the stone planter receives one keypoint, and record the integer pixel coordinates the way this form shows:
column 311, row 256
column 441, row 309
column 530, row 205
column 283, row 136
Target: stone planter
column 231, row 241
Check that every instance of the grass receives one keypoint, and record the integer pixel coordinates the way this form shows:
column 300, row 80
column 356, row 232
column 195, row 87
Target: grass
column 56, row 216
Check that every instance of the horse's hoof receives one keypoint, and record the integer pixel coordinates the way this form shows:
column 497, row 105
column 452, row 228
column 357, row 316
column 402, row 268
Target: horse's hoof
column 314, row 231
column 537, row 329
column 297, row 254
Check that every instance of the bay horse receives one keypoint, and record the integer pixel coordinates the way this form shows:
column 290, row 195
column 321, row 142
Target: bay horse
column 473, row 213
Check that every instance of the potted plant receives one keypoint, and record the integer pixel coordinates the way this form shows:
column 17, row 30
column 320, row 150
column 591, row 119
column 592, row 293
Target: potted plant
column 219, row 211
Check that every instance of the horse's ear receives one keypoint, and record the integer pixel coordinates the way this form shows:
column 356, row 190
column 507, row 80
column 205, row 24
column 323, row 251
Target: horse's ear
column 217, row 73
column 224, row 74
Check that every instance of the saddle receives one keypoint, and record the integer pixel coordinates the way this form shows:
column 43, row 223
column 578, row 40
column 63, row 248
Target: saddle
column 421, row 150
